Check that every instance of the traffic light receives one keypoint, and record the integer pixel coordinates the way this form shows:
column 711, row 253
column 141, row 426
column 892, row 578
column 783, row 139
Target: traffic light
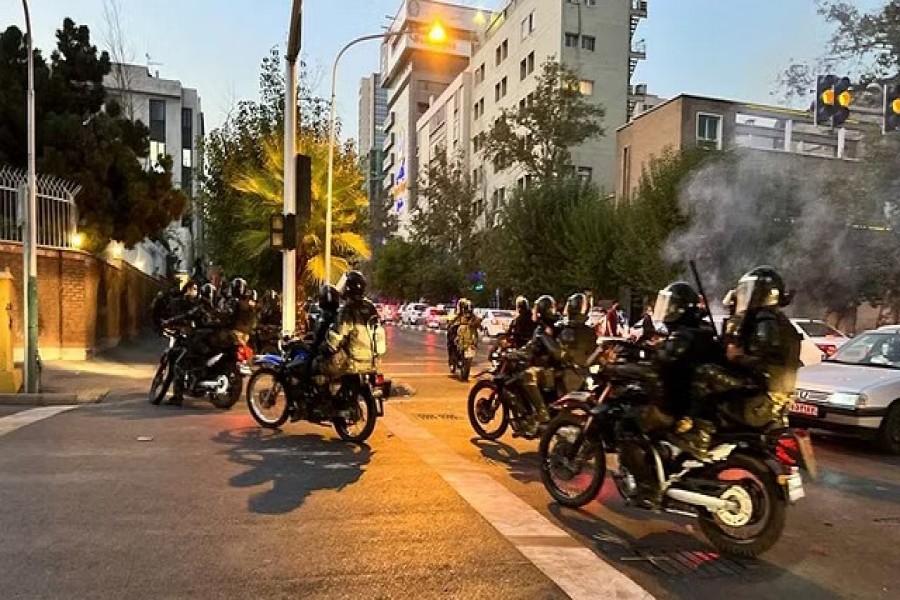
column 842, row 100
column 823, row 108
column 283, row 232
column 303, row 188
column 892, row 108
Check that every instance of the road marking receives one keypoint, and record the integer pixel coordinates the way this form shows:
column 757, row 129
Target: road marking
column 27, row 417
column 574, row 568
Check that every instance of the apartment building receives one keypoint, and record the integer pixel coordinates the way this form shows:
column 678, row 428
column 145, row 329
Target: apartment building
column 594, row 39
column 175, row 119
column 372, row 114
column 689, row 121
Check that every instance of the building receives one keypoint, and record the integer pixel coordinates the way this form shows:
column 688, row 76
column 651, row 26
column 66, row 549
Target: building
column 688, row 121
column 174, row 116
column 415, row 72
column 372, row 114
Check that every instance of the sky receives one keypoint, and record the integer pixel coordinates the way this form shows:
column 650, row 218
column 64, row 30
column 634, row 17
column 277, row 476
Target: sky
column 726, row 48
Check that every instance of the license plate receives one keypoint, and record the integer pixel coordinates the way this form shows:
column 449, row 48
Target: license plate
column 795, row 487
column 808, row 410
column 469, row 353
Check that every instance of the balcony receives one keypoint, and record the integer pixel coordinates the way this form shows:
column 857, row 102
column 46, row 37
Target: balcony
column 388, row 123
column 638, row 11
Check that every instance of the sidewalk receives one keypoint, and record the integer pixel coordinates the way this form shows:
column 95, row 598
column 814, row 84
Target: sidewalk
column 125, row 368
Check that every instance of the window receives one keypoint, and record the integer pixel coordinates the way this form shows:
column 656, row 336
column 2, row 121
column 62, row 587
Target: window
column 586, row 87
column 530, row 99
column 186, row 158
column 158, row 120
column 528, row 25
column 501, row 52
column 709, row 131
column 479, row 73
column 422, row 108
column 571, row 40
column 187, row 179
column 590, row 2
column 523, row 69
column 522, row 105
column 494, row 195
column 500, row 89
column 626, row 172
column 585, row 173
column 531, row 63
column 157, row 149
column 503, row 87
column 477, row 142
column 501, row 195
column 588, row 42
column 187, row 128
column 496, row 91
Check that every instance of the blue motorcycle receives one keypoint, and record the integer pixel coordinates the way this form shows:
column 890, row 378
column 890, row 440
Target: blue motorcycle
column 286, row 386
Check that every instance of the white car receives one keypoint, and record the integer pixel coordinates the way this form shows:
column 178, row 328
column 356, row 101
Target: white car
column 820, row 340
column 412, row 313
column 495, row 322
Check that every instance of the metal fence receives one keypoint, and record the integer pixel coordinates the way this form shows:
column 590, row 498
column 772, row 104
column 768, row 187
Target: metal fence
column 57, row 215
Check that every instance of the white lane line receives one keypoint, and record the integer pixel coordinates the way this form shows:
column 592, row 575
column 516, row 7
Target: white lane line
column 18, row 420
column 576, row 570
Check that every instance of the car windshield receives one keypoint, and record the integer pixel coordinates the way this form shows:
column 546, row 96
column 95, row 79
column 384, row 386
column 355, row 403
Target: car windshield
column 818, row 329
column 881, row 349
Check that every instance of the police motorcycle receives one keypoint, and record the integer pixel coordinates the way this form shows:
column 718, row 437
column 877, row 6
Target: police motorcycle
column 739, row 493
column 285, row 386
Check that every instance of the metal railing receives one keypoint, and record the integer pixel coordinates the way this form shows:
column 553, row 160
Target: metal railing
column 57, row 215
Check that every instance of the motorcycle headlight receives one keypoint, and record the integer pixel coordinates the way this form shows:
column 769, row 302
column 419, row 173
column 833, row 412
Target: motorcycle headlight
column 594, row 369
column 845, row 399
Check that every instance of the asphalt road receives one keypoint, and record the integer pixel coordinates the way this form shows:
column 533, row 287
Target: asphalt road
column 127, row 500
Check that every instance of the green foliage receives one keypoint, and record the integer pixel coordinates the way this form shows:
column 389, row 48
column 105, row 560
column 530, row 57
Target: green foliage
column 412, row 270
column 79, row 140
column 538, row 137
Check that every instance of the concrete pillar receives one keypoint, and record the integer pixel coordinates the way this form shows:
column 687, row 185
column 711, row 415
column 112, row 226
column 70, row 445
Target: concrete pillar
column 10, row 377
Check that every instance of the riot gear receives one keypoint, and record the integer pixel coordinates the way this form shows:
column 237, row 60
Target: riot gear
column 352, row 285
column 238, row 287
column 329, row 298
column 576, row 307
column 760, row 287
column 545, row 310
column 677, row 304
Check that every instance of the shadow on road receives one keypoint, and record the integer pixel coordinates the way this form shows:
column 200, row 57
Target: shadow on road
column 290, row 467
column 686, row 565
column 136, row 406
column 523, row 467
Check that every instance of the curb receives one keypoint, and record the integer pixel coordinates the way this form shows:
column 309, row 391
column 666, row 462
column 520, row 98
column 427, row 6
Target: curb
column 52, row 399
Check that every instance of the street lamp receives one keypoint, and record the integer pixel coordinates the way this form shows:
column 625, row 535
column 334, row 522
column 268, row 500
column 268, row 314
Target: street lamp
column 289, row 207
column 436, row 35
column 29, row 230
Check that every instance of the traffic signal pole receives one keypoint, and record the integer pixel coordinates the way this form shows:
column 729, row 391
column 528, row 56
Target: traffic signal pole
column 289, row 256
column 29, row 233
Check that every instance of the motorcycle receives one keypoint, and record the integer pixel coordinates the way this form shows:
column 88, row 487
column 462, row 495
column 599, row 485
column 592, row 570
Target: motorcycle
column 739, row 494
column 462, row 355
column 284, row 387
column 219, row 377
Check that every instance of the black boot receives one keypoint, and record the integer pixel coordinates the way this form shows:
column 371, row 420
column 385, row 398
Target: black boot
column 696, row 441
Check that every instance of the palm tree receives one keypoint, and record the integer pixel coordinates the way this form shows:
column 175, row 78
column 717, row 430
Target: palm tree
column 264, row 187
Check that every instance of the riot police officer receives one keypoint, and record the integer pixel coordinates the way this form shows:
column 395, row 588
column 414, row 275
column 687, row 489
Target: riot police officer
column 577, row 338
column 522, row 326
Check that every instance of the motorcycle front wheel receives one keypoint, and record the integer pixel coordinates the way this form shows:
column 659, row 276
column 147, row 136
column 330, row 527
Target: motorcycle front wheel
column 163, row 378
column 360, row 426
column 756, row 519
column 465, row 367
column 485, row 408
column 267, row 399
column 573, row 481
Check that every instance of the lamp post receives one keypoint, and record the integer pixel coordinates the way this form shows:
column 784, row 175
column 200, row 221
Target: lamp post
column 289, row 257
column 436, row 35
column 29, row 230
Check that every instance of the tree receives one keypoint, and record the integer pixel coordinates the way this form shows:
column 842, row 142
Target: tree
column 539, row 135
column 83, row 136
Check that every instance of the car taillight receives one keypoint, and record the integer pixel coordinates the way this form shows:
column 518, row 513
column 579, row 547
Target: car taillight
column 828, row 349
column 787, row 451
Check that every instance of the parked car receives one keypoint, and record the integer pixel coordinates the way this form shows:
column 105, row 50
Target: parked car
column 856, row 389
column 388, row 313
column 495, row 322
column 825, row 338
column 412, row 314
column 432, row 316
column 445, row 320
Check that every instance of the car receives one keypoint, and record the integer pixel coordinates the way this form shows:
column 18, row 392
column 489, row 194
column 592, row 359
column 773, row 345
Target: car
column 387, row 312
column 412, row 313
column 432, row 316
column 496, row 322
column 445, row 321
column 820, row 340
column 595, row 316
column 857, row 389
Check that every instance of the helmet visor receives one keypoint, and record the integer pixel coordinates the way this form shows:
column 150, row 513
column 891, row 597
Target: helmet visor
column 342, row 284
column 665, row 308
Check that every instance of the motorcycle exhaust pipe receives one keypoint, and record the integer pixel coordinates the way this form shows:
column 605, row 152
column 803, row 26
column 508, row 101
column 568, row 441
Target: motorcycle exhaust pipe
column 697, row 499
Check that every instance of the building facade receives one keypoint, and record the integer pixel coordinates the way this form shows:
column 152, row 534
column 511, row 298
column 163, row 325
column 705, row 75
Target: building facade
column 372, row 114
column 688, row 121
column 174, row 116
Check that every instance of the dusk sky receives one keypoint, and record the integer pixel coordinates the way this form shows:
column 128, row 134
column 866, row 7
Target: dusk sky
column 726, row 48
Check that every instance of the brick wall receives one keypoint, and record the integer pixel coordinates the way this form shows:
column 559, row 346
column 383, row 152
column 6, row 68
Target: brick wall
column 85, row 303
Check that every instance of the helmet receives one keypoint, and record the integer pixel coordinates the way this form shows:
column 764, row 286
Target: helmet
column 728, row 301
column 576, row 307
column 522, row 305
column 463, row 306
column 759, row 287
column 253, row 295
column 190, row 288
column 545, row 310
column 238, row 287
column 329, row 298
column 270, row 295
column 208, row 293
column 352, row 285
column 676, row 304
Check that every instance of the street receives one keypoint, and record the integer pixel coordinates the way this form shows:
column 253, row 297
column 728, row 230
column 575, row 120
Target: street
column 124, row 499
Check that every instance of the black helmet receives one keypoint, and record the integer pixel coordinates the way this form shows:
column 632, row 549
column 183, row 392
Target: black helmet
column 545, row 310
column 352, row 285
column 576, row 306
column 329, row 298
column 677, row 303
column 522, row 305
column 208, row 292
column 238, row 287
column 759, row 287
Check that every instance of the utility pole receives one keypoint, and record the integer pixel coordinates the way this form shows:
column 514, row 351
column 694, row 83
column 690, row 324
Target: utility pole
column 29, row 231
column 289, row 257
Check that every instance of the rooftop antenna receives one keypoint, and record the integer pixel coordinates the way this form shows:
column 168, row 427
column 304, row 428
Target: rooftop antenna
column 151, row 63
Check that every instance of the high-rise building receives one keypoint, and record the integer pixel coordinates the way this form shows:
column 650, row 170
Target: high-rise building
column 372, row 113
column 415, row 72
column 172, row 113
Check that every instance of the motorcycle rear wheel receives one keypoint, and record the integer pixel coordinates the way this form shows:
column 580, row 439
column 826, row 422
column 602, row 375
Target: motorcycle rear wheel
column 768, row 509
column 554, row 458
column 163, row 378
column 465, row 367
column 267, row 399
column 481, row 415
column 362, row 427
column 232, row 394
